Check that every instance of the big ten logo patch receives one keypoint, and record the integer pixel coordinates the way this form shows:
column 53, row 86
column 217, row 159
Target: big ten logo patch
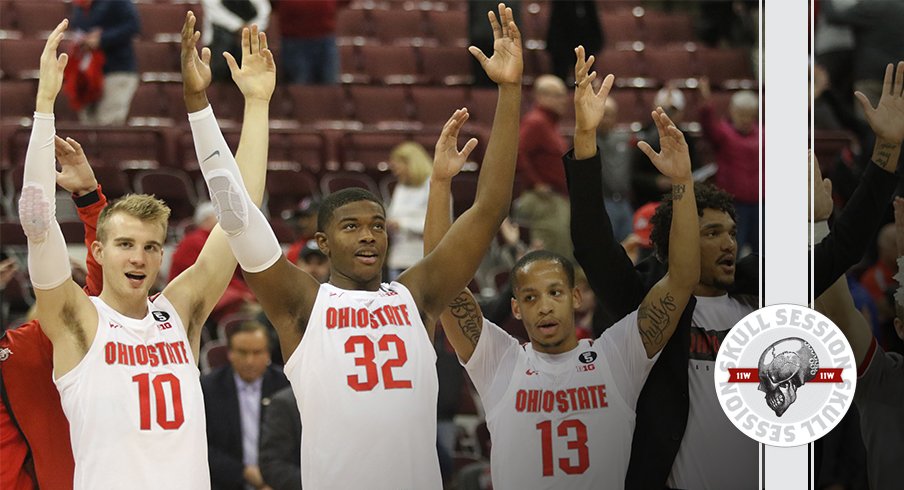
column 785, row 375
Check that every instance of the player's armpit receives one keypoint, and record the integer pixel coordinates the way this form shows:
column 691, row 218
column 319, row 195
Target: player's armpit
column 463, row 322
column 69, row 320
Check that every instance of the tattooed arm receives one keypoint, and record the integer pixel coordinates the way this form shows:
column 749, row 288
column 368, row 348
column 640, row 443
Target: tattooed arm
column 661, row 308
column 887, row 119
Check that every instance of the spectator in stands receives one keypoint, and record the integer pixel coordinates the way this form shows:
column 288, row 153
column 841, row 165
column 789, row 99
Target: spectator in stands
column 187, row 251
column 543, row 206
column 233, row 398
column 736, row 142
column 412, row 166
column 313, row 261
column 109, row 26
column 877, row 38
column 615, row 145
column 304, row 220
column 223, row 23
column 281, row 442
column 308, row 50
column 647, row 182
column 570, row 24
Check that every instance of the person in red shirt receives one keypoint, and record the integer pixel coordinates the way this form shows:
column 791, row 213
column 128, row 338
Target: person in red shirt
column 35, row 451
column 736, row 142
column 878, row 280
column 543, row 207
column 237, row 292
column 308, row 32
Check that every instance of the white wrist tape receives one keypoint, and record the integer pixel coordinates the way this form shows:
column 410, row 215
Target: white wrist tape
column 252, row 240
column 48, row 258
column 820, row 231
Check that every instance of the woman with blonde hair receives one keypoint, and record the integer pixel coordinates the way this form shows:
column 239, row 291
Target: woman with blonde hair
column 412, row 166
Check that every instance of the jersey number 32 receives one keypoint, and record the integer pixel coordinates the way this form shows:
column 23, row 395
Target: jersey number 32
column 367, row 360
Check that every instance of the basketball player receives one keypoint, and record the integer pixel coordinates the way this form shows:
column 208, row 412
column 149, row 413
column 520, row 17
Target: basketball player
column 682, row 438
column 561, row 411
column 359, row 353
column 125, row 365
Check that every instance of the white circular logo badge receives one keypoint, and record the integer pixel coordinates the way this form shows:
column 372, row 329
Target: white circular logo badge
column 785, row 375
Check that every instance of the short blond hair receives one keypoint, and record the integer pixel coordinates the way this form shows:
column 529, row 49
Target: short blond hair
column 144, row 207
column 419, row 163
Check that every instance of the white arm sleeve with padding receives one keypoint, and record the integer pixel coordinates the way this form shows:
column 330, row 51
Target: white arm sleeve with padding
column 48, row 258
column 252, row 240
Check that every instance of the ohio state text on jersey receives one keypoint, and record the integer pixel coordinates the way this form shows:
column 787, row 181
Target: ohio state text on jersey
column 134, row 404
column 364, row 376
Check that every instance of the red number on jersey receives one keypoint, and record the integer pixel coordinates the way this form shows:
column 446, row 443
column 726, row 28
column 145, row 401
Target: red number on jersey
column 144, row 403
column 579, row 443
column 370, row 367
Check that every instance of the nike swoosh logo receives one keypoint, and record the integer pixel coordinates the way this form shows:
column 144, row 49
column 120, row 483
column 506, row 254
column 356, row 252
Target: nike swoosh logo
column 214, row 154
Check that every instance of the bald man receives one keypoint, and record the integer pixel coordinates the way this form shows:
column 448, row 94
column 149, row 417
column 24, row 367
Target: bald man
column 543, row 206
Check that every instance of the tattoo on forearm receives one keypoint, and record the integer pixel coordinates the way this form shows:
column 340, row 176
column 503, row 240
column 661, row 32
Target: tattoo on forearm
column 883, row 154
column 677, row 192
column 465, row 312
column 653, row 319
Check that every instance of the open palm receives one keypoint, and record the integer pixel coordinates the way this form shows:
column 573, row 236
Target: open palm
column 589, row 106
column 256, row 77
column 887, row 119
column 506, row 64
column 447, row 160
column 673, row 159
column 52, row 66
column 195, row 68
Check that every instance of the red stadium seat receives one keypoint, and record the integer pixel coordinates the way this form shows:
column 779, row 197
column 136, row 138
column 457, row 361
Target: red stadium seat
column 398, row 26
column 620, row 28
column 335, row 181
column 318, row 104
column 173, row 186
column 214, row 354
column 37, row 18
column 449, row 27
column 17, row 100
column 391, row 64
column 721, row 64
column 352, row 24
column 20, row 58
column 660, row 28
column 622, row 64
column 369, row 151
column 434, row 105
column 286, row 187
column 669, row 64
column 380, row 105
column 445, row 65
column 157, row 59
column 162, row 21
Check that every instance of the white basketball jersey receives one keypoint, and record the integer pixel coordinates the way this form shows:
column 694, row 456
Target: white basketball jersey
column 364, row 376
column 134, row 404
column 562, row 421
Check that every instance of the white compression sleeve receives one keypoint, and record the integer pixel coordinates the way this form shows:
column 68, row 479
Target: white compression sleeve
column 252, row 240
column 48, row 258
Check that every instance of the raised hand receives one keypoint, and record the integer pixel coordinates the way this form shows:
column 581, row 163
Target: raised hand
column 76, row 175
column 589, row 107
column 506, row 64
column 51, row 73
column 256, row 77
column 887, row 119
column 822, row 197
column 447, row 160
column 673, row 159
column 195, row 68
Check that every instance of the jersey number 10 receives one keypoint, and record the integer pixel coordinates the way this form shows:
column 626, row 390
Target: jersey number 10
column 371, row 378
column 579, row 444
column 144, row 400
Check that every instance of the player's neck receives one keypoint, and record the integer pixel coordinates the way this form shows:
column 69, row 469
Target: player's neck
column 344, row 282
column 130, row 307
column 709, row 291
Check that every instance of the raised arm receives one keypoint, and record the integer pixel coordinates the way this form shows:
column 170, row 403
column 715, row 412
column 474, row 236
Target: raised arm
column 66, row 315
column 77, row 177
column 857, row 223
column 609, row 270
column 196, row 291
column 660, row 310
column 456, row 257
column 462, row 321
column 713, row 130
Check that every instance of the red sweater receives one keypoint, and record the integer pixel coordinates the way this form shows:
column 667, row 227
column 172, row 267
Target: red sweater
column 737, row 155
column 540, row 150
column 307, row 18
column 33, row 398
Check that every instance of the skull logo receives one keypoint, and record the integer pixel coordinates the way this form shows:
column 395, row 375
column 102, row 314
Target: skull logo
column 784, row 367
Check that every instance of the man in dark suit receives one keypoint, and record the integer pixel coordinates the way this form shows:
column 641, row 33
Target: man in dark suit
column 234, row 398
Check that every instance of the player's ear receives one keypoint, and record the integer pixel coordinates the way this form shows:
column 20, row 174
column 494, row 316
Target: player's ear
column 322, row 242
column 576, row 297
column 97, row 249
column 516, row 310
